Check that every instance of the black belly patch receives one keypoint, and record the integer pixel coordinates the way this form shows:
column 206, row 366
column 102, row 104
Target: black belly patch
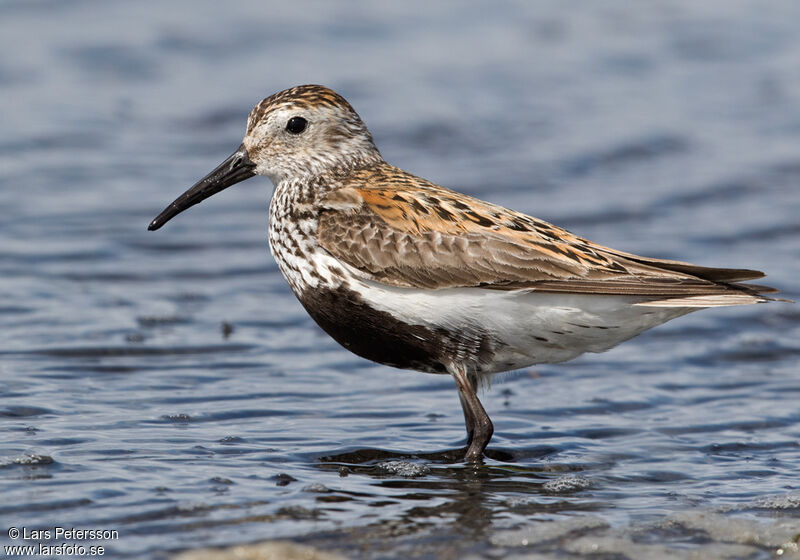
column 381, row 337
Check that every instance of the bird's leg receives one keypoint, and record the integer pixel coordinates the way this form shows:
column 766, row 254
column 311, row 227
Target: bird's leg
column 479, row 426
column 469, row 419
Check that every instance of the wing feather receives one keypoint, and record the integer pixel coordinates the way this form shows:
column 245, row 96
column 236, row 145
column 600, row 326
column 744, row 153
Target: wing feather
column 400, row 230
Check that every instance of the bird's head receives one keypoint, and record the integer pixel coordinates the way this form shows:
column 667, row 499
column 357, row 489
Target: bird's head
column 304, row 131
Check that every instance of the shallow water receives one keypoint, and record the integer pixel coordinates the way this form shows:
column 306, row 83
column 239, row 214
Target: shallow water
column 169, row 386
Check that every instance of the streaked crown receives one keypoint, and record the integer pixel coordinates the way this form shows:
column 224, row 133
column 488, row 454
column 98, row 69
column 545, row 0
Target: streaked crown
column 307, row 130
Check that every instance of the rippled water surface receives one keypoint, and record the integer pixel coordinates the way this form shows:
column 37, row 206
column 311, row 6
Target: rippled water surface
column 169, row 386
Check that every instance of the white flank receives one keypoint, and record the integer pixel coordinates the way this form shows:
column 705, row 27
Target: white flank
column 532, row 328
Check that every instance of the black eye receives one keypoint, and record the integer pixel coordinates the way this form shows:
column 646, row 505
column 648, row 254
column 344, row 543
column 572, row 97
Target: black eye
column 296, row 125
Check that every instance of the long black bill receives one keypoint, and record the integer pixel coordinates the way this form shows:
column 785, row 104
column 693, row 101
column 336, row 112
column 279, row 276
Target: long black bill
column 235, row 169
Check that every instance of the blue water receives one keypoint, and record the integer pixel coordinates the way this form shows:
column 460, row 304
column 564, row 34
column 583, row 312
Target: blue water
column 169, row 386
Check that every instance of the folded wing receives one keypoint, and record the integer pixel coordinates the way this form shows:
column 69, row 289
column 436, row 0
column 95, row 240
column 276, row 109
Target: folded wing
column 403, row 231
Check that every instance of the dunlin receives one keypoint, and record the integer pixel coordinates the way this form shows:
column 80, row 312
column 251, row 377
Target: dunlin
column 409, row 274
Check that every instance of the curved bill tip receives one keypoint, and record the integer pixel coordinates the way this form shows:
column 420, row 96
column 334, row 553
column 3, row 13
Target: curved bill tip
column 236, row 168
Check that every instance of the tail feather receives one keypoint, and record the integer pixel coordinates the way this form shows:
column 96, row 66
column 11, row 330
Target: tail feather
column 724, row 288
column 712, row 274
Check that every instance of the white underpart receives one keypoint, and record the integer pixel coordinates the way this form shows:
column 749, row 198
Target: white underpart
column 534, row 327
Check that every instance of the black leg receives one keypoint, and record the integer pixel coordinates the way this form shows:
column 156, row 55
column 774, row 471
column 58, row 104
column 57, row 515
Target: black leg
column 479, row 426
column 469, row 419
